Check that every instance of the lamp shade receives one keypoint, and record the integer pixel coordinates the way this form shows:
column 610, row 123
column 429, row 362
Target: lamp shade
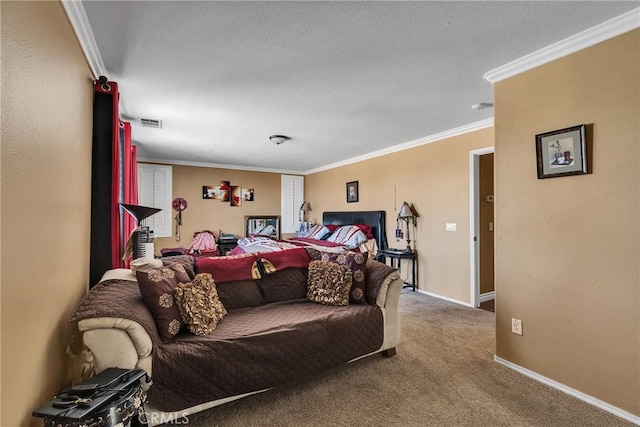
column 306, row 206
column 140, row 212
column 406, row 211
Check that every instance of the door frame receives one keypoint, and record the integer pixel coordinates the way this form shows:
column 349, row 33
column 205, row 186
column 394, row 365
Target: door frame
column 474, row 222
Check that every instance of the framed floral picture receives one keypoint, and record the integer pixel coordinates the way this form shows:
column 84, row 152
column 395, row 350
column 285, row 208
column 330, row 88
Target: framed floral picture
column 562, row 152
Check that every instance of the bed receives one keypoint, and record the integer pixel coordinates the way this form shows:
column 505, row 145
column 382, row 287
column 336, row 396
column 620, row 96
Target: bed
column 374, row 222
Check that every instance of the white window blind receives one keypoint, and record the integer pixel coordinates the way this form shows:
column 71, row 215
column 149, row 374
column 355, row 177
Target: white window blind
column 154, row 190
column 292, row 196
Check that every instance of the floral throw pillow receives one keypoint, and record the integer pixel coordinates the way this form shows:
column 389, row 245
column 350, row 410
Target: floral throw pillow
column 328, row 283
column 199, row 304
column 157, row 286
column 357, row 262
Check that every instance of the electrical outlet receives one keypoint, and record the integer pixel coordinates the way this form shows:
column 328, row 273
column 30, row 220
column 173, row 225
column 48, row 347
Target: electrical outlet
column 516, row 326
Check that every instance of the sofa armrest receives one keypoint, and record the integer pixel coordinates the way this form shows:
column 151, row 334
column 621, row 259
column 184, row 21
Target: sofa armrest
column 115, row 322
column 391, row 301
column 389, row 288
column 140, row 339
column 383, row 289
column 378, row 276
column 117, row 342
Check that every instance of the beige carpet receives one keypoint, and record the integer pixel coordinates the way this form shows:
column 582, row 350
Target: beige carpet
column 443, row 375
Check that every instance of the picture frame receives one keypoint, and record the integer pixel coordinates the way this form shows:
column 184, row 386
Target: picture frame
column 562, row 152
column 235, row 195
column 224, row 191
column 352, row 191
column 209, row 192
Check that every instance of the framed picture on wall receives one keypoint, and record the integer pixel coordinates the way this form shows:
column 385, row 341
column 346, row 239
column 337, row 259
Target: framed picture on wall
column 352, row 191
column 562, row 152
column 235, row 197
column 224, row 191
column 208, row 192
column 248, row 194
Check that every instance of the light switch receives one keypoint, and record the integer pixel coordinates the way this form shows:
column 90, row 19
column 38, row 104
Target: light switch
column 451, row 226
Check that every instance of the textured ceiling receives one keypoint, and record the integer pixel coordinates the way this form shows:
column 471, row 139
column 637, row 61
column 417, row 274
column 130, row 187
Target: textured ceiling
column 341, row 79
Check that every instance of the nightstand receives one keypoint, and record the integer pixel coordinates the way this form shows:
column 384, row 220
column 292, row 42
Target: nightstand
column 226, row 245
column 396, row 255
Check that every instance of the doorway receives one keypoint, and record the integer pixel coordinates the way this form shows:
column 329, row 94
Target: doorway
column 481, row 201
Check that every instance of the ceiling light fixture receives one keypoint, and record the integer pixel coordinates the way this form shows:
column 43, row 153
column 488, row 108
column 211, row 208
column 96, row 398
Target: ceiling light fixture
column 482, row 106
column 278, row 139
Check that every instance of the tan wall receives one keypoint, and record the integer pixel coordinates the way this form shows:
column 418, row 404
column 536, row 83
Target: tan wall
column 567, row 249
column 435, row 178
column 213, row 215
column 46, row 194
column 485, row 209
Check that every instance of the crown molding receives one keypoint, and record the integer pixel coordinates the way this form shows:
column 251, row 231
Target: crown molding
column 483, row 124
column 589, row 37
column 400, row 147
column 80, row 23
column 216, row 165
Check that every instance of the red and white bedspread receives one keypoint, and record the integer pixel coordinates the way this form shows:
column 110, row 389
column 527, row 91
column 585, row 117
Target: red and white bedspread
column 254, row 244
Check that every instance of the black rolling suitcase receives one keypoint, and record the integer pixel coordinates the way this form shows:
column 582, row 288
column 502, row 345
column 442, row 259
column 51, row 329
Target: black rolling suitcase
column 113, row 397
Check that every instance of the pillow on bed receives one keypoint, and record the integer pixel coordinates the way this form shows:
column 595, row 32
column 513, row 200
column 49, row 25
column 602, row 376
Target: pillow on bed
column 157, row 286
column 367, row 230
column 199, row 304
column 328, row 283
column 267, row 230
column 318, row 232
column 349, row 236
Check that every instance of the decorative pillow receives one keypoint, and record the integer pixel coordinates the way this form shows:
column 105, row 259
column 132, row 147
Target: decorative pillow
column 199, row 304
column 367, row 230
column 267, row 230
column 317, row 232
column 157, row 286
column 187, row 261
column 349, row 236
column 356, row 261
column 328, row 283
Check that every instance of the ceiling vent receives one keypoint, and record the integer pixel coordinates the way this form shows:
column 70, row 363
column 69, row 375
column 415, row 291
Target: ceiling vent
column 151, row 123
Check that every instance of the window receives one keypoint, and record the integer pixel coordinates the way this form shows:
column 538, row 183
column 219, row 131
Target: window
column 154, row 190
column 292, row 196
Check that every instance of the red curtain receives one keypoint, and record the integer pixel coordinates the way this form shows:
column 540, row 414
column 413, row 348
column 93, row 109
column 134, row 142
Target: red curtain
column 128, row 185
column 119, row 174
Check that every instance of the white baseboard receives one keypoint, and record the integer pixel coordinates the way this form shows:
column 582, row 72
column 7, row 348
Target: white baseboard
column 487, row 296
column 568, row 390
column 431, row 294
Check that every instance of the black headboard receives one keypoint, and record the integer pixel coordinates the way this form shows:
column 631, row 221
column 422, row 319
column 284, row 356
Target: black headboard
column 376, row 219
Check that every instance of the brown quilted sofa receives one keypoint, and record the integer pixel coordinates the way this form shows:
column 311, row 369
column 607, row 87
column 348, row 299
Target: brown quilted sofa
column 271, row 335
